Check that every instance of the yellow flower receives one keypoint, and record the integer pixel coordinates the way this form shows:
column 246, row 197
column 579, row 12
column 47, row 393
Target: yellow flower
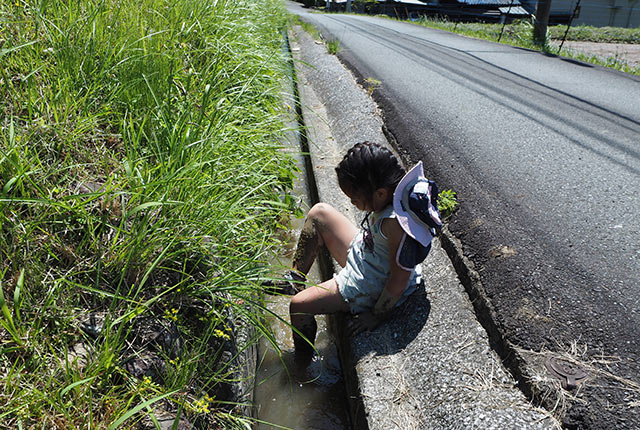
column 221, row 334
column 202, row 406
column 171, row 314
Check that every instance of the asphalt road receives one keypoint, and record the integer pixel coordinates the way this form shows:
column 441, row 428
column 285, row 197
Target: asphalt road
column 544, row 154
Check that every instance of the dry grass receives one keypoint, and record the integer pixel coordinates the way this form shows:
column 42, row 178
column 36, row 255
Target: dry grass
column 599, row 367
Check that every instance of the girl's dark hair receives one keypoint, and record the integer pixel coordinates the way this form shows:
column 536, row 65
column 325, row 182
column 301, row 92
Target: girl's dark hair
column 367, row 167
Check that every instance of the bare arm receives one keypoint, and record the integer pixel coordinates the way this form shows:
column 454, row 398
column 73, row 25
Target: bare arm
column 398, row 279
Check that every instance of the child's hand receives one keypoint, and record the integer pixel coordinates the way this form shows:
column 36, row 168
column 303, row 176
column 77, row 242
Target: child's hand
column 365, row 321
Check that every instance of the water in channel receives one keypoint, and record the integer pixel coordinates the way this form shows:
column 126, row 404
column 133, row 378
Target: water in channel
column 313, row 398
column 293, row 398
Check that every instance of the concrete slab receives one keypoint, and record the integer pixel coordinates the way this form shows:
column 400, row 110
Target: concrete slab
column 430, row 366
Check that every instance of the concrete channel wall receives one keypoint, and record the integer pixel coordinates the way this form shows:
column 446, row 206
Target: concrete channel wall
column 430, row 366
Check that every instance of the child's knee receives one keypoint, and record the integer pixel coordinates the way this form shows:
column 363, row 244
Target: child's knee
column 295, row 306
column 320, row 212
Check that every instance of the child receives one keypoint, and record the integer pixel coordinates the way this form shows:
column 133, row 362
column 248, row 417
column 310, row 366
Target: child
column 375, row 276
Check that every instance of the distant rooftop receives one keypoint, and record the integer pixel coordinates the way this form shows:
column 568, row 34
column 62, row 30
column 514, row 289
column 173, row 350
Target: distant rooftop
column 515, row 10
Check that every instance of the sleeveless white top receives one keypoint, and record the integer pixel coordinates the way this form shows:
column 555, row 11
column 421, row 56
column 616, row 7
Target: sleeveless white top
column 362, row 279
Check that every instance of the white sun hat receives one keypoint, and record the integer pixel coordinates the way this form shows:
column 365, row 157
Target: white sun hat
column 414, row 201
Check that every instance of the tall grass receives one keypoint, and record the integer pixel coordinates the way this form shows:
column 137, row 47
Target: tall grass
column 141, row 179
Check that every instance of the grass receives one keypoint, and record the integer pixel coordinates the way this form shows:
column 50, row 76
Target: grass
column 333, row 46
column 520, row 33
column 615, row 61
column 587, row 33
column 372, row 84
column 141, row 180
column 600, row 373
column 306, row 26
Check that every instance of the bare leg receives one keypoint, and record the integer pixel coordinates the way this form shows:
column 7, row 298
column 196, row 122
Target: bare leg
column 324, row 226
column 320, row 299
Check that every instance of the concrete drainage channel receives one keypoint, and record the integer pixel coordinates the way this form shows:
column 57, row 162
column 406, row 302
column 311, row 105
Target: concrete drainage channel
column 285, row 395
column 431, row 365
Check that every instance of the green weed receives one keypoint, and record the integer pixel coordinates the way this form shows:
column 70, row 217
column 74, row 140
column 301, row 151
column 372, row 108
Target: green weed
column 141, row 180
column 372, row 84
column 447, row 203
column 306, row 26
column 333, row 46
column 615, row 62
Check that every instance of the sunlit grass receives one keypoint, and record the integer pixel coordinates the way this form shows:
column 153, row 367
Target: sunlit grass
column 141, row 178
column 589, row 33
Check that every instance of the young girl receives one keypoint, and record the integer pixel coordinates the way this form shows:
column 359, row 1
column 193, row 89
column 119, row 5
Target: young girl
column 371, row 281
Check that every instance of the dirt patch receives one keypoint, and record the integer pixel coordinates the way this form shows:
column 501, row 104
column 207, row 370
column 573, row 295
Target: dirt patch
column 502, row 251
column 623, row 52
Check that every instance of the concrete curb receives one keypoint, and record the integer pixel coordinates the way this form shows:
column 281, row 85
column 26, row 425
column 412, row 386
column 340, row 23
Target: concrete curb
column 431, row 365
